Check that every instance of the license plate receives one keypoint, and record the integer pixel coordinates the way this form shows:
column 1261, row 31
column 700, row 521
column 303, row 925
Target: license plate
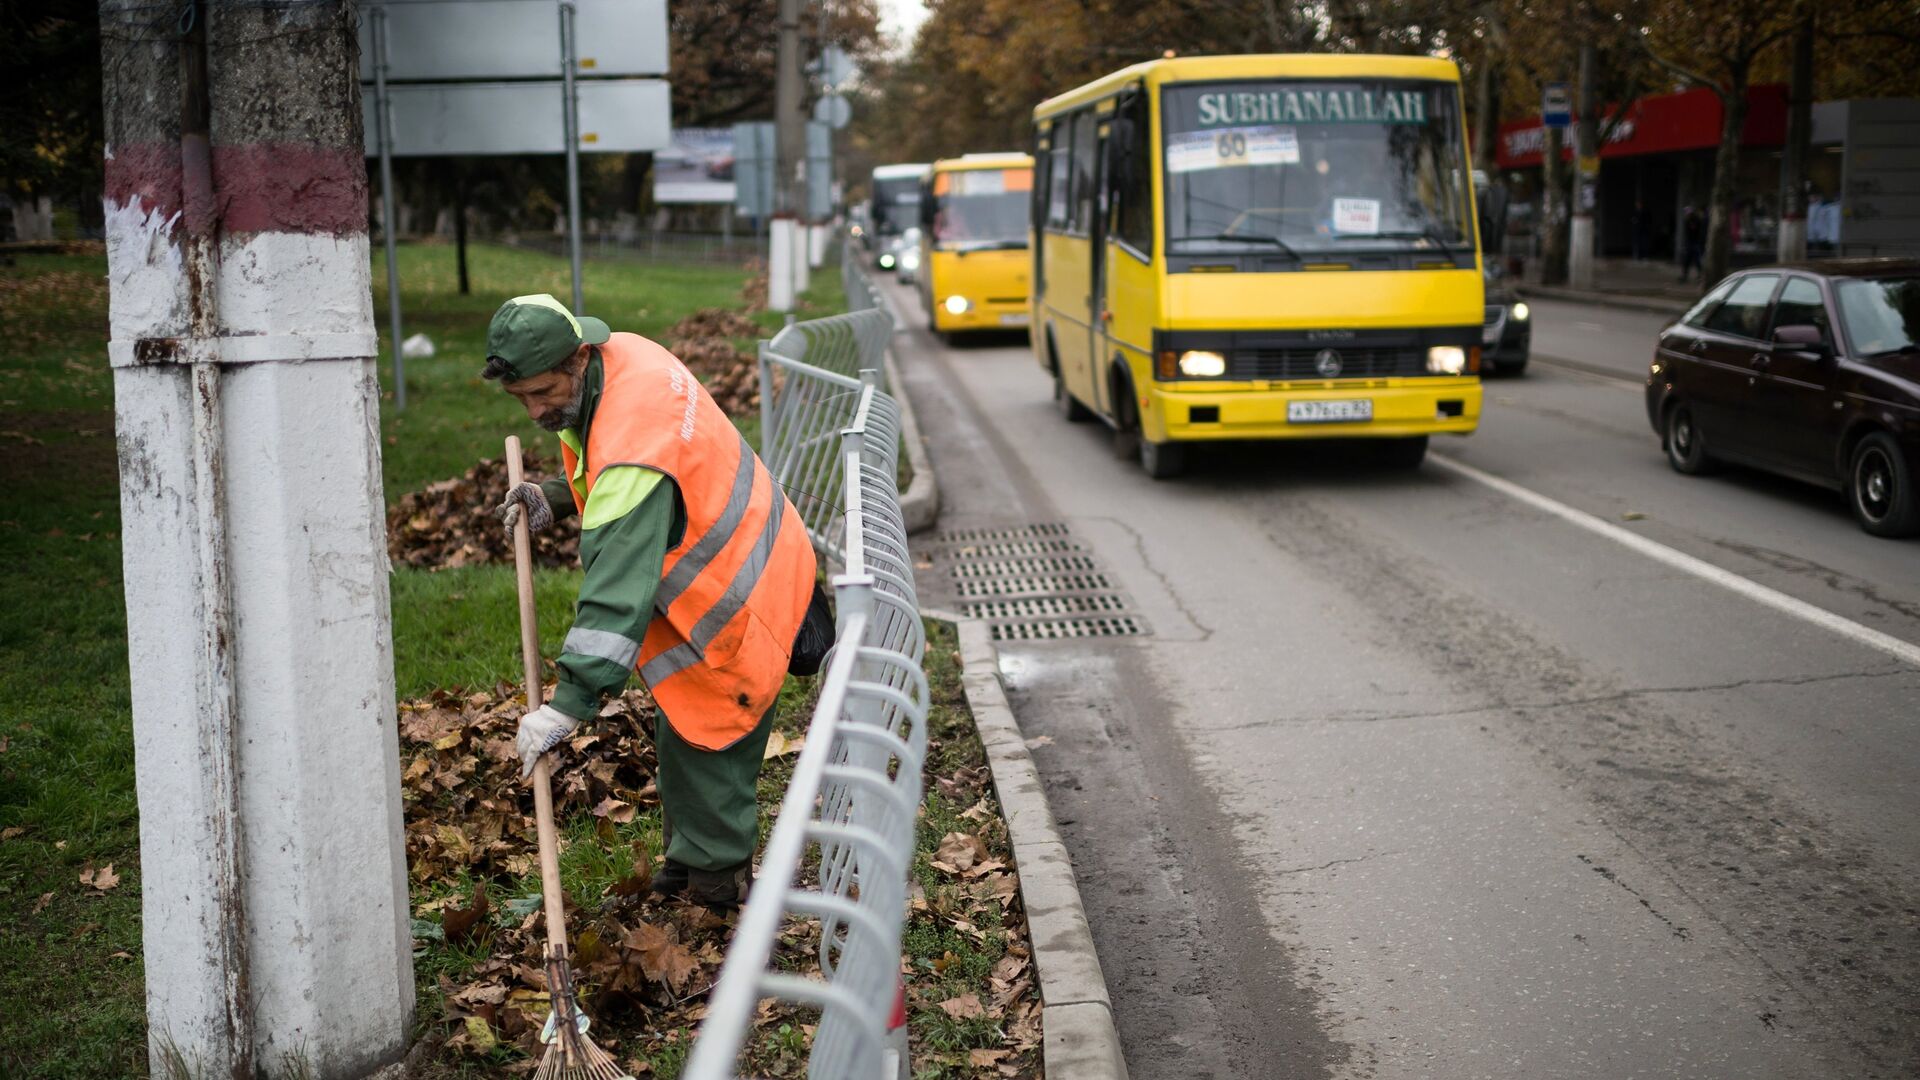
column 1328, row 412
column 1014, row 320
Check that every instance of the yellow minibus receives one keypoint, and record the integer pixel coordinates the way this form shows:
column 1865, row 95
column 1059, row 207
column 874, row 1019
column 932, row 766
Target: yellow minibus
column 973, row 242
column 1259, row 247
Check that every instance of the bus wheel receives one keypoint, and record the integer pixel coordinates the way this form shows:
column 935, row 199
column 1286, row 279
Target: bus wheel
column 1068, row 405
column 1404, row 453
column 1126, row 426
column 1163, row 460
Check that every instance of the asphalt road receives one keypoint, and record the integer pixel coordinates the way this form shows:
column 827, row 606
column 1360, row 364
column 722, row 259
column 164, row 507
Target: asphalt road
column 1414, row 778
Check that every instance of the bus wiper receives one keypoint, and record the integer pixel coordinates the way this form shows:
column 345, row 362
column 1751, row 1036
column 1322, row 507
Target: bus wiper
column 1247, row 238
column 1429, row 233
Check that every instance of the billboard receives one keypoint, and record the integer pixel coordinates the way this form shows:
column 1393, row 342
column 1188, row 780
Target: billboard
column 434, row 40
column 437, row 119
column 696, row 167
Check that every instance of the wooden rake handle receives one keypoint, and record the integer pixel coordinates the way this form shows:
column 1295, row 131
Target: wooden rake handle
column 530, row 657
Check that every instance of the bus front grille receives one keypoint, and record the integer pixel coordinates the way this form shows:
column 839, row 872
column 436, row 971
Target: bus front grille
column 1305, row 363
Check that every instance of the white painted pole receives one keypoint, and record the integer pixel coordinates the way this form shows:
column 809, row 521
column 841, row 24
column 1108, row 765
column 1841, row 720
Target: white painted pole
column 780, row 257
column 383, row 118
column 274, row 891
column 568, row 62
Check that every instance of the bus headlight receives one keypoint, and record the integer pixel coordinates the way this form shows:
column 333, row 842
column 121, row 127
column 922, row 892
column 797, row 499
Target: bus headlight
column 1521, row 311
column 1446, row 360
column 1202, row 364
column 956, row 305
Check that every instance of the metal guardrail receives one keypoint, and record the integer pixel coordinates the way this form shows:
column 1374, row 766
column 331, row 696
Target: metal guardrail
column 830, row 435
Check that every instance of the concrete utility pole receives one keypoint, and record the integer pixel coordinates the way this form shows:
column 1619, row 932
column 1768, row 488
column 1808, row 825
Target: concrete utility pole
column 787, row 238
column 1586, row 174
column 247, row 411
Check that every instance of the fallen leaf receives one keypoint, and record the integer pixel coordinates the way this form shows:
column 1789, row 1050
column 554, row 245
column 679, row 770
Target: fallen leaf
column 121, row 955
column 615, row 810
column 779, row 745
column 101, row 879
column 958, row 851
column 965, row 1007
column 1633, row 515
column 12, row 831
column 40, row 905
column 1039, row 741
column 985, row 1058
column 480, row 1035
column 662, row 959
column 459, row 923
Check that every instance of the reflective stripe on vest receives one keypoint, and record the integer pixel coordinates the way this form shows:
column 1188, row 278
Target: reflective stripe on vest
column 734, row 590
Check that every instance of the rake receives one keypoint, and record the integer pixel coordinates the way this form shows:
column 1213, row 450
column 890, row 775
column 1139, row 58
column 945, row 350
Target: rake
column 570, row 1055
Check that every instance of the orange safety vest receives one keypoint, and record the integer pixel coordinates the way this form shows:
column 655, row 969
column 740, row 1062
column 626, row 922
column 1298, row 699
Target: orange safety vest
column 734, row 591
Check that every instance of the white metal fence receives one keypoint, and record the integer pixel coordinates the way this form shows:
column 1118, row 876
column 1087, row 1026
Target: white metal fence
column 831, row 434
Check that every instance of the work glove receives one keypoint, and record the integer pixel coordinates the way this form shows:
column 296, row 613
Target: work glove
column 530, row 498
column 540, row 731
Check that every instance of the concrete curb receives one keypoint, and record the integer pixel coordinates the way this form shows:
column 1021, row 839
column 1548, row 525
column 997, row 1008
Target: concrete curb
column 1655, row 304
column 1080, row 1042
column 920, row 503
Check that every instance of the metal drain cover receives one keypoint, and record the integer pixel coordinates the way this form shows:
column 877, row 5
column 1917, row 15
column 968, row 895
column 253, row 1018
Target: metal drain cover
column 1034, row 582
column 1056, row 629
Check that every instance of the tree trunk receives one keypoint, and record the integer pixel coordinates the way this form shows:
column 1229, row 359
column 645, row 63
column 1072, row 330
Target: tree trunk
column 1553, row 213
column 1792, row 243
column 460, row 224
column 1486, row 96
column 1726, row 160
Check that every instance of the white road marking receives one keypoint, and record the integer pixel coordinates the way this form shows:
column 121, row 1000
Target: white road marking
column 1588, row 326
column 1865, row 635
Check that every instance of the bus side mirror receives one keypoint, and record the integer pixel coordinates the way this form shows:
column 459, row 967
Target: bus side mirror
column 1124, row 137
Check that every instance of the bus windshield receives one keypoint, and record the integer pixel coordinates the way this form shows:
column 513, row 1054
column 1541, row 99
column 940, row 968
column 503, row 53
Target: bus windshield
column 976, row 209
column 896, row 205
column 1297, row 166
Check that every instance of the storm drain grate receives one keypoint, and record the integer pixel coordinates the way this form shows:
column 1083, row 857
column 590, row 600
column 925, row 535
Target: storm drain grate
column 1056, row 629
column 1034, row 585
column 1016, row 532
column 994, row 568
column 1013, row 549
column 1032, row 607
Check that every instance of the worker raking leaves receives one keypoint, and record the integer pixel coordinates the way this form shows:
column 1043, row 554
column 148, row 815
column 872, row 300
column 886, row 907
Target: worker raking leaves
column 698, row 574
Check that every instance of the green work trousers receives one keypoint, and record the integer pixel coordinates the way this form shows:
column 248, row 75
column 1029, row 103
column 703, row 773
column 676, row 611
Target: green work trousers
column 707, row 797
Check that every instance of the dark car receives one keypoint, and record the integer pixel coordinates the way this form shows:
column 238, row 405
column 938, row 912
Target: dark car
column 1811, row 370
column 1507, row 337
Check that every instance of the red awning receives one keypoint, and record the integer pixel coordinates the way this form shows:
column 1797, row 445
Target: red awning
column 1689, row 120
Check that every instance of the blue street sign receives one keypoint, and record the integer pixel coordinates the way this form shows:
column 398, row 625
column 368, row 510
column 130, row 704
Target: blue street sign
column 1556, row 105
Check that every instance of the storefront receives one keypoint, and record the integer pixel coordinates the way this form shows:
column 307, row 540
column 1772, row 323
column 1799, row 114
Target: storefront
column 1656, row 164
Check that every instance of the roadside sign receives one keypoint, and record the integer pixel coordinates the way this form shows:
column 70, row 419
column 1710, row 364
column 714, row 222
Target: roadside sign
column 836, row 67
column 833, row 111
column 1556, row 105
column 753, row 157
column 440, row 119
column 819, row 171
column 432, row 40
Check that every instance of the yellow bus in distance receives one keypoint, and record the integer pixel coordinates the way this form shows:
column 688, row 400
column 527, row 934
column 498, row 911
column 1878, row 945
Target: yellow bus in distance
column 973, row 242
column 1259, row 247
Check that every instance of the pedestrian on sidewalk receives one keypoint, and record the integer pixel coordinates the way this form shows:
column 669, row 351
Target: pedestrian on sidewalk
column 698, row 573
column 1693, row 234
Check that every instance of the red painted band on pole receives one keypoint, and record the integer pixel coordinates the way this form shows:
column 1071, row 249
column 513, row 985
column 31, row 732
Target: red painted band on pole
column 258, row 187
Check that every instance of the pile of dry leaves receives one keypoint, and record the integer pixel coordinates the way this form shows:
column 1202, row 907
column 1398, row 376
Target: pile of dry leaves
column 643, row 965
column 451, row 522
column 704, row 342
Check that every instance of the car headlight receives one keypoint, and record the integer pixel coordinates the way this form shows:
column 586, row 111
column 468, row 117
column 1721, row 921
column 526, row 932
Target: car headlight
column 1521, row 311
column 886, row 261
column 956, row 305
column 1446, row 360
column 909, row 259
column 1202, row 364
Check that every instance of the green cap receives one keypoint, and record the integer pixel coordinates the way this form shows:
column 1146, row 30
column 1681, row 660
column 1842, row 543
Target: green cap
column 532, row 334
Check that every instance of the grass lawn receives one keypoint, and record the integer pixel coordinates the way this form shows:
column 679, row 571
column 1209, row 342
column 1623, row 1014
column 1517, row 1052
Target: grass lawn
column 70, row 969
